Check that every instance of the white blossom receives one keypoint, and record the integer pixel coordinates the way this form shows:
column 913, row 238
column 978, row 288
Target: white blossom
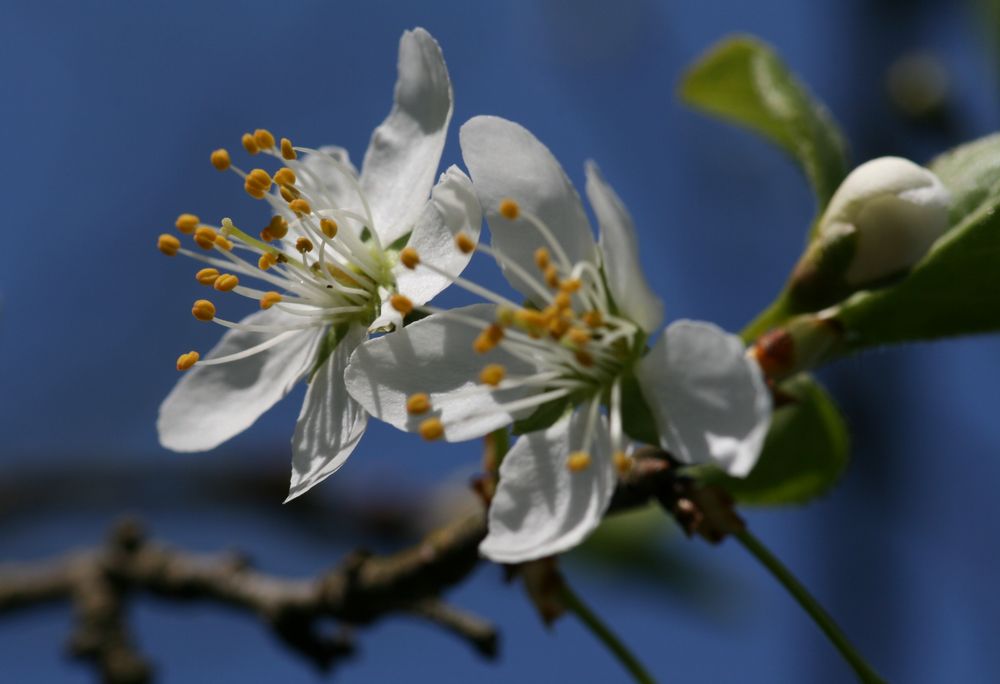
column 460, row 374
column 332, row 268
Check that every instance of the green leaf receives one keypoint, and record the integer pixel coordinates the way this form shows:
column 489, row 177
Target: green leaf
column 972, row 173
column 542, row 417
column 637, row 420
column 743, row 80
column 955, row 289
column 804, row 454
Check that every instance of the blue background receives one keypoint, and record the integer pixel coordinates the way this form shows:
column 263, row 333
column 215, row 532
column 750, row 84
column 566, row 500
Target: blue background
column 107, row 116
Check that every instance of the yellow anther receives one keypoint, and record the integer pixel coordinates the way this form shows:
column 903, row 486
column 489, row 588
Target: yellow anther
column 278, row 227
column 284, row 176
column 266, row 261
column 329, row 227
column 289, row 193
column 579, row 336
column 492, row 374
column 552, row 275
column 418, row 403
column 401, row 303
column 186, row 223
column 287, row 151
column 222, row 243
column 203, row 310
column 260, row 177
column 185, row 361
column 226, row 282
column 593, row 318
column 558, row 327
column 206, row 276
column 509, row 209
column 249, row 144
column 300, row 206
column 304, row 245
column 506, row 315
column 529, row 318
column 542, row 258
column 562, row 301
column 254, row 190
column 168, row 244
column 205, row 236
column 431, row 429
column 584, row 358
column 269, row 299
column 570, row 285
column 409, row 257
column 263, row 138
column 578, row 461
column 488, row 338
column 623, row 462
column 465, row 244
column 220, row 159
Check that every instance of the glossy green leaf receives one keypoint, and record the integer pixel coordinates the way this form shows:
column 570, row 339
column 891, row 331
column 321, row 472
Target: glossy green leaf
column 743, row 80
column 955, row 289
column 805, row 453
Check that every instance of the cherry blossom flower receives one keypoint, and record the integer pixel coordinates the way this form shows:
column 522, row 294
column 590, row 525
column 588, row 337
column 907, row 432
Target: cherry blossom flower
column 329, row 268
column 565, row 354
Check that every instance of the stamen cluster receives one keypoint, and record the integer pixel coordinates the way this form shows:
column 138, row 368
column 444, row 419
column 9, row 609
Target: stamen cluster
column 318, row 261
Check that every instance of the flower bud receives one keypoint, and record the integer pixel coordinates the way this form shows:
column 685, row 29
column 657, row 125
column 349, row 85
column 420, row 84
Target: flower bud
column 881, row 221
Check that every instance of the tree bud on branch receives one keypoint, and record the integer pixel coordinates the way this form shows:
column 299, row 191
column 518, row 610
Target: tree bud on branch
column 881, row 221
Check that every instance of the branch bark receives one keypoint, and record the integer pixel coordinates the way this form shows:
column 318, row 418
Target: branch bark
column 361, row 590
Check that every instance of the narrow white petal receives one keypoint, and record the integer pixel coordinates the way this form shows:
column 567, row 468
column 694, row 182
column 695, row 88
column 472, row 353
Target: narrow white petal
column 506, row 161
column 404, row 151
column 335, row 191
column 452, row 209
column 435, row 356
column 331, row 422
column 542, row 508
column 211, row 404
column 620, row 249
column 709, row 400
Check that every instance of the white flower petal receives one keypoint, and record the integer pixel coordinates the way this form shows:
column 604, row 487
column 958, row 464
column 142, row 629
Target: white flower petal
column 542, row 508
column 211, row 404
column 628, row 284
column 453, row 208
column 506, row 160
column 336, row 191
column 404, row 151
column 331, row 422
column 709, row 400
column 435, row 355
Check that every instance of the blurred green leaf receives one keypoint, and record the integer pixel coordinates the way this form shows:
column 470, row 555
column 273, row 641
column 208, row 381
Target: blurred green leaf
column 804, row 455
column 637, row 420
column 743, row 80
column 955, row 289
column 972, row 173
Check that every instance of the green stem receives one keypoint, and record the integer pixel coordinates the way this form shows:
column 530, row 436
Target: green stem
column 575, row 605
column 864, row 671
column 778, row 312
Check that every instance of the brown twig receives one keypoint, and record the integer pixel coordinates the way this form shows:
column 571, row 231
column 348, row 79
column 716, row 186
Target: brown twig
column 363, row 589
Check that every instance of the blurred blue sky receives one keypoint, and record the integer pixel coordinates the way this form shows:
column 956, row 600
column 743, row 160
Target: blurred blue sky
column 108, row 113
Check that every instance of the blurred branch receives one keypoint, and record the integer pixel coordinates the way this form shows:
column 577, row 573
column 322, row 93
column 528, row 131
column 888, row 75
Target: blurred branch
column 363, row 589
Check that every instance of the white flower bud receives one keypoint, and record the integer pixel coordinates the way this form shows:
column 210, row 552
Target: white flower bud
column 895, row 210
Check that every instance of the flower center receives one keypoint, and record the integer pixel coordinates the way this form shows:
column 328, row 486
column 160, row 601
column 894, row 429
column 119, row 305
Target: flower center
column 571, row 334
column 317, row 260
